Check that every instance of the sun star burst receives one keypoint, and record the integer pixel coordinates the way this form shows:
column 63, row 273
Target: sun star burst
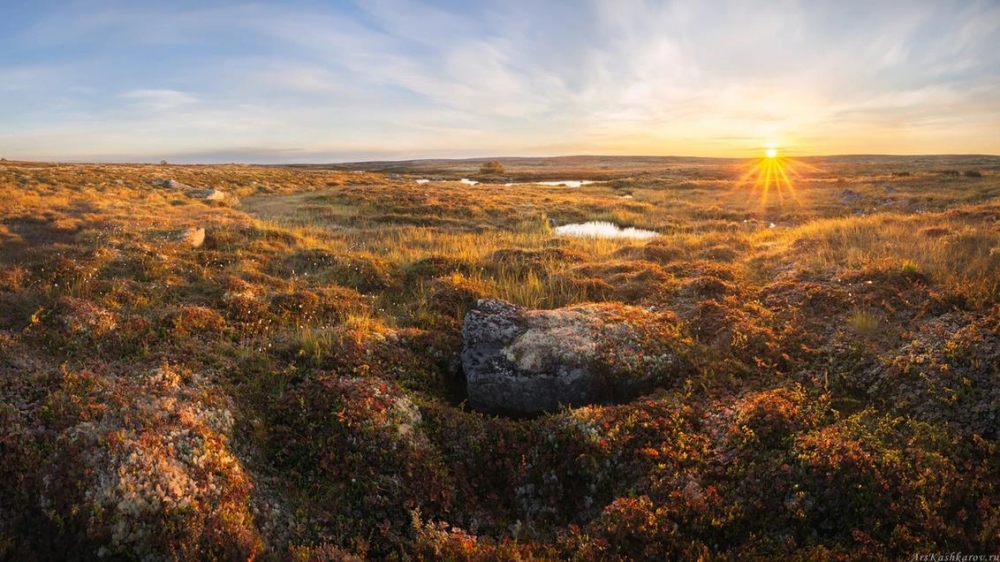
column 773, row 177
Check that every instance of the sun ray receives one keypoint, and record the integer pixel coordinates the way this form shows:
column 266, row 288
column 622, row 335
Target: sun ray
column 767, row 184
column 788, row 182
column 772, row 179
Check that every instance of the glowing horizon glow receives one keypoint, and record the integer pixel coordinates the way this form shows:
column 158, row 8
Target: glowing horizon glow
column 771, row 152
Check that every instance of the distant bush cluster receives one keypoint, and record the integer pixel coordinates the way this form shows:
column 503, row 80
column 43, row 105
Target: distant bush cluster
column 492, row 167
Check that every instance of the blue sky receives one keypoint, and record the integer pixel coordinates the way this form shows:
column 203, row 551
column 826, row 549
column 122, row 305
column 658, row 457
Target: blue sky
column 324, row 81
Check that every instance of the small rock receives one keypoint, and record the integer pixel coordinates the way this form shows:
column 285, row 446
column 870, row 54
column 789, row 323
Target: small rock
column 215, row 195
column 171, row 184
column 194, row 236
column 220, row 196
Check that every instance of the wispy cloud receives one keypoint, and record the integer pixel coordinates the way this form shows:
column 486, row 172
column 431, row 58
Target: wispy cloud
column 161, row 99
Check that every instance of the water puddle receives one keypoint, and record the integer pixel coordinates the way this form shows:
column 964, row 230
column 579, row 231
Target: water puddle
column 603, row 229
column 565, row 183
column 560, row 183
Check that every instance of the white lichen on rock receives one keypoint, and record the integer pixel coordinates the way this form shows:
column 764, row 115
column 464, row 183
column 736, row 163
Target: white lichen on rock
column 158, row 454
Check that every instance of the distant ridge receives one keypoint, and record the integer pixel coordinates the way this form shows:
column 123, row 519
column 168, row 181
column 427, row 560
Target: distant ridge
column 589, row 159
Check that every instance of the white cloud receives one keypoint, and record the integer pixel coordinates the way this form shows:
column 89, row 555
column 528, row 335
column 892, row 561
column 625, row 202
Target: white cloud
column 158, row 99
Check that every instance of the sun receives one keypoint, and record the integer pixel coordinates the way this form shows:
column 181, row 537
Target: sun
column 774, row 177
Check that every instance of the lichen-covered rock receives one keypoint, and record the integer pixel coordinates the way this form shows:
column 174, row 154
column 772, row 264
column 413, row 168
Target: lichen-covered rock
column 529, row 361
column 145, row 471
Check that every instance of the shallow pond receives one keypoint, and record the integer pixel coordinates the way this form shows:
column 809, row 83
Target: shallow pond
column 560, row 183
column 603, row 229
column 566, row 183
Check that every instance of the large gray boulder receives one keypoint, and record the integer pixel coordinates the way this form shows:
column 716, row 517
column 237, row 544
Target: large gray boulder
column 523, row 362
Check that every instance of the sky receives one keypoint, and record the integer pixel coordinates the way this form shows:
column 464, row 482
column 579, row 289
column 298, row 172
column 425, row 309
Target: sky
column 206, row 81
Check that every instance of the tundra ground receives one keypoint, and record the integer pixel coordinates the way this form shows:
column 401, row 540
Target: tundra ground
column 290, row 388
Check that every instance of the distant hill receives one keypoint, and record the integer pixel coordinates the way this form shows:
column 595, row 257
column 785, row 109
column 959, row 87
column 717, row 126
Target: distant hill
column 588, row 167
